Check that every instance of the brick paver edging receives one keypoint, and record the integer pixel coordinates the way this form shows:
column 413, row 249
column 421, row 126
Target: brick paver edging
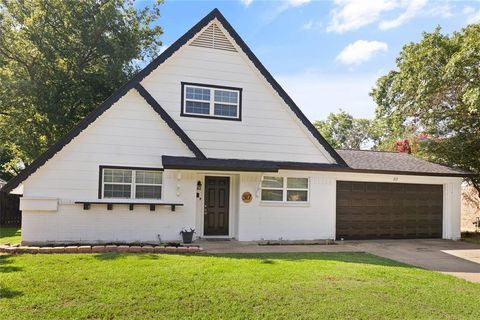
column 100, row 249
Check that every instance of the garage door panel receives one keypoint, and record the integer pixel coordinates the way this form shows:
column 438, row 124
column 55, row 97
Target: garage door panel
column 357, row 187
column 388, row 210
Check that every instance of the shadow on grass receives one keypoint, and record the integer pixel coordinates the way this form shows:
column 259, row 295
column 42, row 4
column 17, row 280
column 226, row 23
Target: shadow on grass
column 111, row 256
column 272, row 258
column 9, row 232
column 6, row 293
column 348, row 257
column 116, row 256
column 5, row 267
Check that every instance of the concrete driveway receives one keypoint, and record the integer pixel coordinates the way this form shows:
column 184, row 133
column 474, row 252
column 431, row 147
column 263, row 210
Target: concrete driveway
column 456, row 258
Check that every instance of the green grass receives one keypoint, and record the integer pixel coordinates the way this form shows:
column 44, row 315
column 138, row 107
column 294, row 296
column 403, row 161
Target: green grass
column 473, row 237
column 10, row 235
column 234, row 286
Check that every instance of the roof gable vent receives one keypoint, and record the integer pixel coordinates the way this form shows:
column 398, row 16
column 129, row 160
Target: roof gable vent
column 212, row 37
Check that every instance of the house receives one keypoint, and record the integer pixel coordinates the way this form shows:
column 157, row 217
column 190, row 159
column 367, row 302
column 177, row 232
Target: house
column 205, row 137
column 2, row 183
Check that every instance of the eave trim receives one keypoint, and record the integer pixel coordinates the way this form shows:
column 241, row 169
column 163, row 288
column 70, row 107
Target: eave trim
column 170, row 122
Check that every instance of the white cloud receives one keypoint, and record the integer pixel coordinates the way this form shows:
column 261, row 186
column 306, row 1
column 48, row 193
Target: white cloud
column 246, row 3
column 297, row 3
column 354, row 14
column 440, row 9
column 306, row 88
column 361, row 51
column 308, row 25
column 413, row 8
column 312, row 25
column 348, row 15
column 468, row 10
column 473, row 16
column 284, row 6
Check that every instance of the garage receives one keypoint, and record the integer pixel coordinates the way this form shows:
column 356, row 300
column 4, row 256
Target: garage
column 372, row 210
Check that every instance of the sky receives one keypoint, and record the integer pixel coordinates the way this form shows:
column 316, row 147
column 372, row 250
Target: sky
column 327, row 55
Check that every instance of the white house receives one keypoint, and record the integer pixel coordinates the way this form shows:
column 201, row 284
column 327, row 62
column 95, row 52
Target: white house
column 204, row 137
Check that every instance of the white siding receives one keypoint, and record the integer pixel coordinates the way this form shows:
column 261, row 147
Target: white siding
column 70, row 223
column 316, row 220
column 290, row 221
column 268, row 131
column 130, row 133
column 248, row 221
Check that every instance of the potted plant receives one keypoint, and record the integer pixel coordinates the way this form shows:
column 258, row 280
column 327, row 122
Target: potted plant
column 187, row 234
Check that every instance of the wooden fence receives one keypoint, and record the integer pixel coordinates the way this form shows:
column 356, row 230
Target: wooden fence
column 10, row 214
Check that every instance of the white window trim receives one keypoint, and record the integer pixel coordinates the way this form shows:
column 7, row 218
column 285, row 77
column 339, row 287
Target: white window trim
column 211, row 101
column 284, row 193
column 133, row 184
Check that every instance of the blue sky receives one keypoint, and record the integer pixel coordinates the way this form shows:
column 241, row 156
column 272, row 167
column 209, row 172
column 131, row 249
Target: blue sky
column 326, row 54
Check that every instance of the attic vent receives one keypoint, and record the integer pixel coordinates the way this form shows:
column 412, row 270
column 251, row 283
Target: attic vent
column 212, row 37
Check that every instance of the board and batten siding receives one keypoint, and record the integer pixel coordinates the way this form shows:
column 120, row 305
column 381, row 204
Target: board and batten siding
column 129, row 134
column 268, row 129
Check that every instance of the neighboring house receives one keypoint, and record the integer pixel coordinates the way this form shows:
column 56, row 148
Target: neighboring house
column 204, row 137
column 2, row 183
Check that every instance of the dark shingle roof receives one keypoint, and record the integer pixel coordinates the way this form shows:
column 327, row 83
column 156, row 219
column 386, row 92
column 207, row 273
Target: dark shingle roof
column 365, row 160
column 358, row 161
column 172, row 162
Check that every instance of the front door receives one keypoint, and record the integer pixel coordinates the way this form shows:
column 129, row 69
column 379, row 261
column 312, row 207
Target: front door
column 216, row 206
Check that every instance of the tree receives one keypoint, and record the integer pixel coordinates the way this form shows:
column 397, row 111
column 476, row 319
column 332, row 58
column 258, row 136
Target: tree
column 342, row 130
column 59, row 59
column 434, row 92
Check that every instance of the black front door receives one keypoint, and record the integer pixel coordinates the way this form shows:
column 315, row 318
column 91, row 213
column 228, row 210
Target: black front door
column 216, row 206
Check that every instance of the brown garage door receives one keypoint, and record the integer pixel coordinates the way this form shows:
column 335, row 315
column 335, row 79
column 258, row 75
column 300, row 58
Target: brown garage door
column 369, row 210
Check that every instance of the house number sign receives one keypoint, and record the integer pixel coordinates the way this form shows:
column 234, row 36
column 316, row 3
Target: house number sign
column 246, row 197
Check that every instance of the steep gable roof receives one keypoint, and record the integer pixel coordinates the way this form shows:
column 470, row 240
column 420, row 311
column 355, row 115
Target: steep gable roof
column 37, row 163
column 135, row 81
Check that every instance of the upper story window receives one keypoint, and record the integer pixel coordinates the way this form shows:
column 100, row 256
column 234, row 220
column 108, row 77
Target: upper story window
column 209, row 101
column 126, row 183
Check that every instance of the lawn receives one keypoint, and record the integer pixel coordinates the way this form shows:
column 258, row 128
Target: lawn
column 473, row 237
column 235, row 286
column 10, row 235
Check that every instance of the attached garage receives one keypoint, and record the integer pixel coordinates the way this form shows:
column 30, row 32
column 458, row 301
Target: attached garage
column 372, row 210
column 392, row 195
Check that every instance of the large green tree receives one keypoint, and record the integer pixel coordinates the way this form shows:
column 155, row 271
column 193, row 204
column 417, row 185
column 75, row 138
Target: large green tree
column 435, row 91
column 344, row 131
column 58, row 60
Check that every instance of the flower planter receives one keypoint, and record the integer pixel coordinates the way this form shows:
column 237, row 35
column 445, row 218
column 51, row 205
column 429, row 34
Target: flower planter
column 187, row 236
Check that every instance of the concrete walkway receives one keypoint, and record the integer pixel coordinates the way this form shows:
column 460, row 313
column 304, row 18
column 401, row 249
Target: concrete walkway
column 456, row 258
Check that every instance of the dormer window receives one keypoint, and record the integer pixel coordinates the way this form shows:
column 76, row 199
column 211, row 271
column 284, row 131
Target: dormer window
column 210, row 101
